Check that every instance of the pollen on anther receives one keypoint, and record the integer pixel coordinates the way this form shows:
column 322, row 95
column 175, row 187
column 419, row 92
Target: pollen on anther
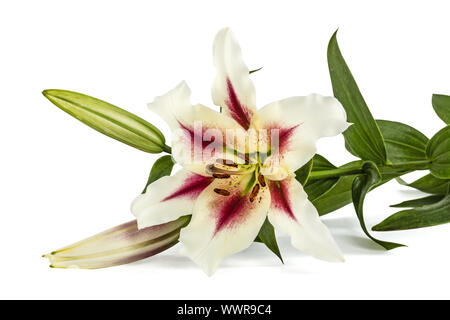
column 221, row 176
column 254, row 193
column 261, row 180
column 222, row 192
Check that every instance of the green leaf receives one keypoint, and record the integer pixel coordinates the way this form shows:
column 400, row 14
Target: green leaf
column 316, row 188
column 162, row 167
column 338, row 196
column 418, row 202
column 389, row 173
column 428, row 184
column 302, row 174
column 438, row 151
column 266, row 235
column 320, row 163
column 362, row 184
column 425, row 216
column 363, row 138
column 331, row 194
column 441, row 105
column 403, row 143
column 109, row 120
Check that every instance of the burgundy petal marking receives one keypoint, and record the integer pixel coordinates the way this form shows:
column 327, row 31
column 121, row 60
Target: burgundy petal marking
column 195, row 138
column 280, row 197
column 198, row 144
column 191, row 187
column 233, row 210
column 237, row 111
column 284, row 135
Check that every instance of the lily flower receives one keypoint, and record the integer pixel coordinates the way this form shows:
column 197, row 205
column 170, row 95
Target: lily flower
column 230, row 199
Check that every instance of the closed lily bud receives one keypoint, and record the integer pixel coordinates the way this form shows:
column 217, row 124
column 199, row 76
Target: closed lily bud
column 110, row 120
column 119, row 245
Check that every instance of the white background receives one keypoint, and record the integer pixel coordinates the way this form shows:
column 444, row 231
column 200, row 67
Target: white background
column 61, row 181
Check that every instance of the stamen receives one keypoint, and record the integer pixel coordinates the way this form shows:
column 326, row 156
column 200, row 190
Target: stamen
column 221, row 175
column 254, row 192
column 261, row 180
column 222, row 192
column 227, row 163
column 214, row 169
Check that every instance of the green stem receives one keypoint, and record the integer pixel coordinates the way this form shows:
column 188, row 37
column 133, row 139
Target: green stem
column 167, row 149
column 334, row 173
column 357, row 169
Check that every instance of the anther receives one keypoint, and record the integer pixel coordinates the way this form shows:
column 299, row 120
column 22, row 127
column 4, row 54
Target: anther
column 254, row 192
column 261, row 180
column 221, row 175
column 227, row 163
column 222, row 192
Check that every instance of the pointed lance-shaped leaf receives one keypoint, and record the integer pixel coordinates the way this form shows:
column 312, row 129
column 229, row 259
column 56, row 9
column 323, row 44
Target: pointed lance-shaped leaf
column 362, row 184
column 428, row 184
column 416, row 203
column 162, row 167
column 427, row 215
column 403, row 143
column 320, row 163
column 363, row 138
column 441, row 105
column 438, row 151
column 266, row 235
column 120, row 245
column 109, row 120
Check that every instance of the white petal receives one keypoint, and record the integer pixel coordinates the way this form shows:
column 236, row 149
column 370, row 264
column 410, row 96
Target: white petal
column 300, row 122
column 223, row 225
column 172, row 103
column 198, row 133
column 168, row 198
column 232, row 89
column 291, row 212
